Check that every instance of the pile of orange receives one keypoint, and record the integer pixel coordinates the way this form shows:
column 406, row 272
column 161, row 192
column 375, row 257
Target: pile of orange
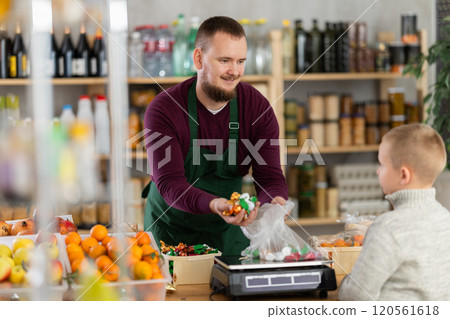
column 106, row 252
column 354, row 241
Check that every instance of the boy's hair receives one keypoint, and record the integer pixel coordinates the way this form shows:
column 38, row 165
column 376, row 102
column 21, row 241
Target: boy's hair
column 419, row 147
column 213, row 25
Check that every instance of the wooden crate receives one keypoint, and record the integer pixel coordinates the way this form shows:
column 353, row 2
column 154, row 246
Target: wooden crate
column 343, row 258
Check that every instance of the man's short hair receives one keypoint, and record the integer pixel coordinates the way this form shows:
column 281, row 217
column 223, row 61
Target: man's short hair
column 419, row 147
column 213, row 25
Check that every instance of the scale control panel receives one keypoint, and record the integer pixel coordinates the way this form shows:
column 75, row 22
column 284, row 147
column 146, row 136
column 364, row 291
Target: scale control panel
column 289, row 281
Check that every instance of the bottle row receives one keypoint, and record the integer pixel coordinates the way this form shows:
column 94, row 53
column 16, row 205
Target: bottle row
column 343, row 47
column 164, row 51
column 66, row 60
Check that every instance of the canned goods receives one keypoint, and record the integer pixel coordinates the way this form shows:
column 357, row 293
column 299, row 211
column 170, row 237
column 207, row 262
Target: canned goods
column 332, row 133
column 318, row 133
column 359, row 132
column 371, row 112
column 396, row 98
column 332, row 107
column 383, row 112
column 346, row 104
column 345, row 130
column 316, row 107
column 302, row 134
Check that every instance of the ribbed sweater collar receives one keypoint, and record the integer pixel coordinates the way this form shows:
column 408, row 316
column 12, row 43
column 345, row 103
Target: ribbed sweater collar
column 412, row 197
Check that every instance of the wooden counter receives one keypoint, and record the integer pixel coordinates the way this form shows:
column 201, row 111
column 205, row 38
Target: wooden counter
column 202, row 292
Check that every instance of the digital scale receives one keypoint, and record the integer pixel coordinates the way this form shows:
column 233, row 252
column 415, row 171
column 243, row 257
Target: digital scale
column 240, row 276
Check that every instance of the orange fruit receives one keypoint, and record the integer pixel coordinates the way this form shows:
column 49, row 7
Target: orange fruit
column 74, row 238
column 131, row 260
column 99, row 232
column 79, row 265
column 97, row 251
column 130, row 241
column 340, row 243
column 73, row 248
column 142, row 238
column 114, row 253
column 111, row 273
column 358, row 238
column 87, row 243
column 326, row 244
column 136, row 251
column 142, row 271
column 76, row 255
column 156, row 272
column 103, row 261
column 149, row 254
column 106, row 240
column 114, row 243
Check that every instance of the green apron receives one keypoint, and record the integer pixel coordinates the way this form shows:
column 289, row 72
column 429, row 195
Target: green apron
column 219, row 178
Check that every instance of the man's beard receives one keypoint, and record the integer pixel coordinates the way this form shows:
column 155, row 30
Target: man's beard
column 217, row 94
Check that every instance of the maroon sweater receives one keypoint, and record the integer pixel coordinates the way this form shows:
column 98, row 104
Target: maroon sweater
column 164, row 116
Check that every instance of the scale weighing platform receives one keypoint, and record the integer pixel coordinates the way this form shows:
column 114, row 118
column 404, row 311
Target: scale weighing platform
column 239, row 276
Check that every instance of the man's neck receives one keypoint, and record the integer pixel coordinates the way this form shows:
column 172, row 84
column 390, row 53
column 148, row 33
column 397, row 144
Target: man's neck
column 206, row 101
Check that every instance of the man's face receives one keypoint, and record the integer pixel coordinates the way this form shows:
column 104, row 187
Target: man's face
column 222, row 66
column 388, row 175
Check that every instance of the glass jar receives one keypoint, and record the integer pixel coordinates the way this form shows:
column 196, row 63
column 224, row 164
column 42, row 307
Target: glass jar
column 396, row 97
column 346, row 104
column 345, row 130
column 371, row 112
column 332, row 133
column 332, row 107
column 316, row 107
column 302, row 134
column 318, row 133
column 359, row 133
column 383, row 112
column 372, row 134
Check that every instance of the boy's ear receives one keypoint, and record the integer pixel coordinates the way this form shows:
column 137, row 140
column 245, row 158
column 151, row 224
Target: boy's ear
column 198, row 58
column 406, row 175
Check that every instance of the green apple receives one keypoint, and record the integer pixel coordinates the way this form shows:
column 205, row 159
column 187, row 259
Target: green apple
column 22, row 243
column 22, row 256
column 5, row 251
column 50, row 249
column 17, row 275
column 5, row 269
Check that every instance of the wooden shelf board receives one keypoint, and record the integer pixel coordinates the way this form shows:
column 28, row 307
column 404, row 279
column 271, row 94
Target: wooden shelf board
column 338, row 149
column 179, row 79
column 311, row 221
column 342, row 76
column 68, row 81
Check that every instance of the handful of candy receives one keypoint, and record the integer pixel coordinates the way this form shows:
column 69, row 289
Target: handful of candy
column 239, row 202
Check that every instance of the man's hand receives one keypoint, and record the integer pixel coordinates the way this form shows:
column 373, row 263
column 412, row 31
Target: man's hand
column 280, row 201
column 219, row 205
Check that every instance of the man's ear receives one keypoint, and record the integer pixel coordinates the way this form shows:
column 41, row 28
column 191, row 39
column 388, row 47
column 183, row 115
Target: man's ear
column 406, row 175
column 198, row 58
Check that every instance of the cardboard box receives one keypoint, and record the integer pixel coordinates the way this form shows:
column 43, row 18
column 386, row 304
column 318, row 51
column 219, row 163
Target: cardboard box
column 192, row 269
column 343, row 258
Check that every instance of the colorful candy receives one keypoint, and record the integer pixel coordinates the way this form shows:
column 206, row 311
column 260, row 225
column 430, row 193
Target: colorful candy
column 244, row 201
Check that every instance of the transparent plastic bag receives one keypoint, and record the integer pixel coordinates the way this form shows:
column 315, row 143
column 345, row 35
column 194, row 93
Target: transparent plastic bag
column 271, row 239
column 355, row 221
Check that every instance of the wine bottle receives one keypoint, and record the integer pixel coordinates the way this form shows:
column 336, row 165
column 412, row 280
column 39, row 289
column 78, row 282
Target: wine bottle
column 99, row 65
column 82, row 55
column 18, row 59
column 5, row 49
column 329, row 57
column 316, row 48
column 301, row 60
column 53, row 60
column 67, row 53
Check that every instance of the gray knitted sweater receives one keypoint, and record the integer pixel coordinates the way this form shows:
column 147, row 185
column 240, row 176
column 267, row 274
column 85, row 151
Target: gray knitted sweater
column 406, row 252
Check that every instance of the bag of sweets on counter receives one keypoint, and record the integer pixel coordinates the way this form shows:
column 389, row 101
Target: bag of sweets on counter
column 271, row 239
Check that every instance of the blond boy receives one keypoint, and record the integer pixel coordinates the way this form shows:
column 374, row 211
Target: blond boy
column 406, row 252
